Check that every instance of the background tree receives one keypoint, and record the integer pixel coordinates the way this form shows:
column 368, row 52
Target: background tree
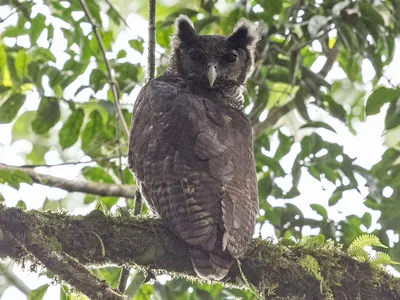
column 69, row 72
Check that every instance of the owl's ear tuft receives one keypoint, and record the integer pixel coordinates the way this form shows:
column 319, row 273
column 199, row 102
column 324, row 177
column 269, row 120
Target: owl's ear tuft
column 184, row 29
column 245, row 35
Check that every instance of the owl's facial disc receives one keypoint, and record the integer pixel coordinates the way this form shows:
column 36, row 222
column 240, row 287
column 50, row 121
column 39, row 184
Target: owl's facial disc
column 212, row 73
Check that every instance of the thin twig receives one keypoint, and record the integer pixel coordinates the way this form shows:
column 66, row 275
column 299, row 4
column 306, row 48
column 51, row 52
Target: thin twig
column 13, row 279
column 152, row 40
column 113, row 84
column 72, row 163
column 123, row 279
column 117, row 13
column 88, row 187
column 16, row 10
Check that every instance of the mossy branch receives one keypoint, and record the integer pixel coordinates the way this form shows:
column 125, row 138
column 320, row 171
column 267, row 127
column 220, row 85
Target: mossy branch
column 273, row 269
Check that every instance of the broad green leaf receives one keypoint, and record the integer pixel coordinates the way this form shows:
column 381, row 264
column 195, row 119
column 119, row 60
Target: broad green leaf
column 10, row 108
column 38, row 24
column 21, row 64
column 334, row 108
column 318, row 124
column 69, row 133
column 21, row 204
column 47, row 115
column 137, row 45
column 285, row 143
column 370, row 13
column 299, row 99
column 336, row 196
column 22, row 128
column 392, row 118
column 97, row 174
column 36, row 156
column 107, row 38
column 97, row 80
column 38, row 293
column 109, row 201
column 379, row 97
column 14, row 177
column 319, row 209
column 91, row 135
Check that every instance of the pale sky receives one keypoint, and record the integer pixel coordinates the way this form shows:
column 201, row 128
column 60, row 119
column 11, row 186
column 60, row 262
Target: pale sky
column 367, row 146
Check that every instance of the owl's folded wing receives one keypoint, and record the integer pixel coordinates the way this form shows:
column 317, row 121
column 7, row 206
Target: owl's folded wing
column 223, row 138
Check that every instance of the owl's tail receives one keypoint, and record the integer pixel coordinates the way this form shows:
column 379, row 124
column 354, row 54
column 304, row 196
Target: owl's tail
column 211, row 265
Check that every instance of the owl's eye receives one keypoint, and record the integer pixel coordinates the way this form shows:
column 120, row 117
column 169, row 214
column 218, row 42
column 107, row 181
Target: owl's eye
column 230, row 58
column 196, row 55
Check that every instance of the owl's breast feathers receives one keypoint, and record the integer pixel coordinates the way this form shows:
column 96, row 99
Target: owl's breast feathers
column 193, row 158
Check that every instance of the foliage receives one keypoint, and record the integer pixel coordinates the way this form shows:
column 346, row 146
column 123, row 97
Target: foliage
column 357, row 251
column 55, row 93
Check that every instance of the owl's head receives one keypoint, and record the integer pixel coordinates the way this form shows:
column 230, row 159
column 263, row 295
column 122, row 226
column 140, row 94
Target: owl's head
column 213, row 60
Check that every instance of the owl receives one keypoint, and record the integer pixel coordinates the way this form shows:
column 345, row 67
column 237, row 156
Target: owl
column 191, row 146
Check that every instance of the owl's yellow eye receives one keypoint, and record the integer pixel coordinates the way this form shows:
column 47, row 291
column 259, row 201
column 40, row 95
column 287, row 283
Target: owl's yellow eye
column 196, row 55
column 230, row 58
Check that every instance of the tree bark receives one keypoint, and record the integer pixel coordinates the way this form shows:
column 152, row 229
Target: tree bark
column 97, row 239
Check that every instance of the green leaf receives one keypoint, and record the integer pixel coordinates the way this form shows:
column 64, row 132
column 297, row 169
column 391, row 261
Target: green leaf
column 392, row 118
column 14, row 177
column 97, row 79
column 336, row 196
column 334, row 108
column 137, row 45
column 21, row 64
column 22, row 128
column 370, row 13
column 38, row 293
column 47, row 115
column 319, row 209
column 366, row 219
column 36, row 156
column 299, row 99
column 42, row 55
column 91, row 135
column 97, row 174
column 38, row 24
column 69, row 133
column 21, row 204
column 10, row 108
column 318, row 124
column 285, row 143
column 379, row 97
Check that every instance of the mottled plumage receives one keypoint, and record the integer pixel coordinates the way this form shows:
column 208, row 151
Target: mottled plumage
column 191, row 146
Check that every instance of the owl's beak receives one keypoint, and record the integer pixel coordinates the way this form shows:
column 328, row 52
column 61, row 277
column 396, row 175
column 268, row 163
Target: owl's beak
column 212, row 74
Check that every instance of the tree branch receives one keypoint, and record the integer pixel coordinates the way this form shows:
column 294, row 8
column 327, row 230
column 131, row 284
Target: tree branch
column 114, row 87
column 277, row 112
column 99, row 189
column 151, row 63
column 274, row 269
column 72, row 162
column 14, row 280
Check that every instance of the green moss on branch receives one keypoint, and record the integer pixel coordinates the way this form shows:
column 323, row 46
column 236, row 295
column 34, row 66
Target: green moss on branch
column 278, row 271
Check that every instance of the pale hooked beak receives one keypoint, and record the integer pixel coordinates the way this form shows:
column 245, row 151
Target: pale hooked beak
column 212, row 74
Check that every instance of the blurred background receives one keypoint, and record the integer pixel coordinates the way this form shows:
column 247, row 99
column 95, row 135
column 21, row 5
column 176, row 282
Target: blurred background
column 324, row 103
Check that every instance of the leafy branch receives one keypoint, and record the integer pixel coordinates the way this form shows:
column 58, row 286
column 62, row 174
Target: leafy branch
column 113, row 84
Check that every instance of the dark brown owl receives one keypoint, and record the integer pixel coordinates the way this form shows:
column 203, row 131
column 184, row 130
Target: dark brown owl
column 191, row 146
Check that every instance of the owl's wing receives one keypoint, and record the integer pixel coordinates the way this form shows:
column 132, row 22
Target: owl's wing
column 223, row 138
